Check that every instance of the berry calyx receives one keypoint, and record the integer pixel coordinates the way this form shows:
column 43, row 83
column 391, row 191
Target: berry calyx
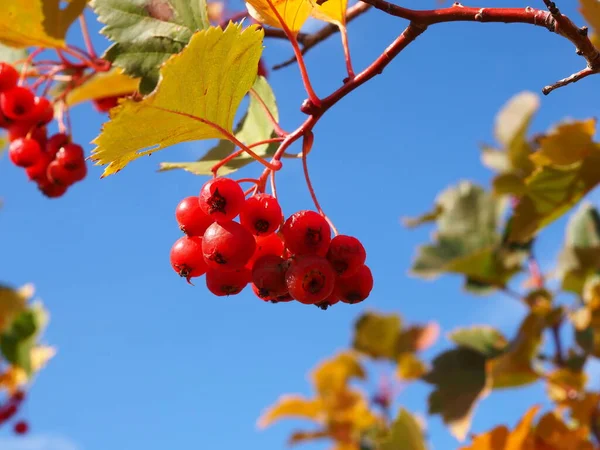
column 307, row 233
column 268, row 275
column 356, row 288
column 310, row 279
column 329, row 301
column 190, row 217
column 186, row 257
column 346, row 254
column 227, row 282
column 261, row 214
column 21, row 427
column 222, row 199
column 24, row 152
column 17, row 103
column 8, row 76
column 227, row 246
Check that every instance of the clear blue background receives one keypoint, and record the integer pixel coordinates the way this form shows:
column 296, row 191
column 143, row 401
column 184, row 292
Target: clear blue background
column 148, row 362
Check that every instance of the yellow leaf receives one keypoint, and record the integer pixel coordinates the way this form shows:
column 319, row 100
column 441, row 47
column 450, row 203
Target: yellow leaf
column 333, row 11
column 13, row 302
column 377, row 334
column 299, row 437
column 492, row 440
column 40, row 23
column 333, row 374
column 566, row 144
column 565, row 384
column 291, row 406
column 293, row 13
column 197, row 98
column 14, row 377
column 590, row 10
column 410, row 367
column 552, row 433
column 103, row 84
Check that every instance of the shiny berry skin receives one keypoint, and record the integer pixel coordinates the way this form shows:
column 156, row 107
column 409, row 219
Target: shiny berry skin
column 227, row 246
column 268, row 275
column 59, row 174
column 355, row 288
column 270, row 244
column 21, row 427
column 329, row 301
column 222, row 199
column 42, row 112
column 79, row 173
column 105, row 104
column 261, row 214
column 191, row 219
column 56, row 142
column 8, row 76
column 70, row 156
column 346, row 254
column 310, row 279
column 227, row 282
column 186, row 257
column 24, row 152
column 17, row 103
column 50, row 189
column 306, row 233
column 37, row 171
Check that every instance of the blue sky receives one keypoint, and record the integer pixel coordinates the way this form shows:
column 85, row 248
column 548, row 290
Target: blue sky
column 147, row 362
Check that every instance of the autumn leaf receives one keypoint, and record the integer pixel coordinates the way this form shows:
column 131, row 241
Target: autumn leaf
column 405, row 433
column 333, row 374
column 189, row 104
column 551, row 432
column 103, row 84
column 255, row 126
column 483, row 339
column 146, row 33
column 333, row 11
column 460, row 381
column 590, row 10
column 291, row 406
column 276, row 13
column 377, row 335
column 12, row 303
column 409, row 366
column 15, row 378
column 39, row 23
column 564, row 384
column 12, row 54
column 568, row 143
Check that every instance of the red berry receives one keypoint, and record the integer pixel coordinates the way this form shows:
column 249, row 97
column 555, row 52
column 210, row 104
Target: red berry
column 268, row 275
column 105, row 104
column 356, row 288
column 307, row 233
column 51, row 190
column 17, row 103
column 262, row 70
column 7, row 412
column 4, row 121
column 265, row 298
column 79, row 173
column 37, row 171
column 329, row 301
column 261, row 214
column 270, row 244
column 186, row 257
column 70, row 156
column 59, row 174
column 56, row 142
column 191, row 219
column 8, row 76
column 227, row 282
column 227, row 246
column 24, row 152
column 42, row 112
column 21, row 427
column 222, row 199
column 18, row 396
column 346, row 254
column 310, row 279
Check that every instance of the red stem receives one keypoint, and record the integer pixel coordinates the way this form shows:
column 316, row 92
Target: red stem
column 86, row 37
column 276, row 126
column 344, row 35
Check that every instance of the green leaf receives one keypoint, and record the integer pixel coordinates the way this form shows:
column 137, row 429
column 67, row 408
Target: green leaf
column 11, row 54
column 460, row 381
column 377, row 335
column 16, row 343
column 405, row 433
column 255, row 126
column 580, row 256
column 484, row 339
column 146, row 33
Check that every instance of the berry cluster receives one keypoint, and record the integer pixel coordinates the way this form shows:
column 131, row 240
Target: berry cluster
column 283, row 261
column 9, row 409
column 53, row 163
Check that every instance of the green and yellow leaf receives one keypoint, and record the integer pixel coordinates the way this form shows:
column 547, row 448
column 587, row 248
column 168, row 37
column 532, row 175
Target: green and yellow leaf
column 405, row 433
column 333, row 11
column 293, row 13
column 103, row 84
column 377, row 335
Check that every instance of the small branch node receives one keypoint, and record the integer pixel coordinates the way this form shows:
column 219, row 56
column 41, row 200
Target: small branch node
column 583, row 31
column 479, row 15
column 457, row 5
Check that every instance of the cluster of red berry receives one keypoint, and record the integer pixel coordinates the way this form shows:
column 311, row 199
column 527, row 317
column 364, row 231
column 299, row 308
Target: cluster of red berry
column 52, row 163
column 9, row 409
column 299, row 262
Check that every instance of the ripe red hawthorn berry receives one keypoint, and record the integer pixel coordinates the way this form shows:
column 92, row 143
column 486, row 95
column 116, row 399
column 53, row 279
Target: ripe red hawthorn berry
column 346, row 254
column 24, row 152
column 262, row 69
column 7, row 412
column 265, row 298
column 37, row 171
column 355, row 288
column 261, row 214
column 329, row 301
column 310, row 279
column 268, row 275
column 59, row 174
column 21, row 427
column 186, row 257
column 306, row 233
column 222, row 199
column 8, row 76
column 51, row 190
column 42, row 112
column 191, row 219
column 70, row 156
column 56, row 142
column 17, row 103
column 80, row 172
column 227, row 246
column 270, row 244
column 18, row 396
column 227, row 282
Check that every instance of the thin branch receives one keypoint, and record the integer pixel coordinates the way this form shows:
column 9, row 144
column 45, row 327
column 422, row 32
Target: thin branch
column 276, row 127
column 570, row 79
